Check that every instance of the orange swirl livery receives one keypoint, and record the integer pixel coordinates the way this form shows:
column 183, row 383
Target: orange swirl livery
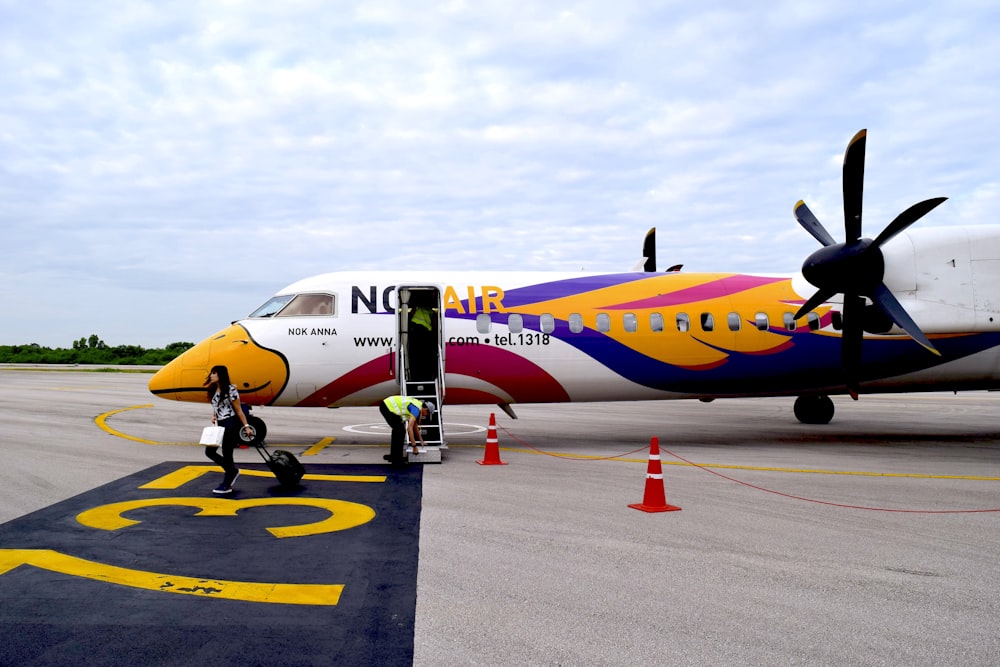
column 683, row 294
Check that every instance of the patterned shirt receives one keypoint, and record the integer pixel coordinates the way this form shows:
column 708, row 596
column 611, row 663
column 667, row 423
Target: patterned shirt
column 223, row 406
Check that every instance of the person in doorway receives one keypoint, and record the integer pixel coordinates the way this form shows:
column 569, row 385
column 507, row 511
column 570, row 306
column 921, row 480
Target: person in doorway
column 422, row 347
column 422, row 317
column 403, row 415
column 228, row 413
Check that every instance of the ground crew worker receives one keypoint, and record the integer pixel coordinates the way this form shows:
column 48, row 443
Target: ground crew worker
column 403, row 415
column 422, row 316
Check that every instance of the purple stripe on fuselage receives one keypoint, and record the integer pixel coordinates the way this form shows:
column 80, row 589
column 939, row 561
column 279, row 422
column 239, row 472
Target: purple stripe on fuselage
column 562, row 288
column 711, row 290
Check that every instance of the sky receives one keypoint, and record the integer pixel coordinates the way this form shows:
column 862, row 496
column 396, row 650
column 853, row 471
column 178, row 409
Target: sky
column 167, row 166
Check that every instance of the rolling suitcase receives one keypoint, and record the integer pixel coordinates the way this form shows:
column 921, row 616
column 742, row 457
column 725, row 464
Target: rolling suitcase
column 284, row 465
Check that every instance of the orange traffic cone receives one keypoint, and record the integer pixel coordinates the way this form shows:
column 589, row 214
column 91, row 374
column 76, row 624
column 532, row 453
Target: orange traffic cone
column 492, row 456
column 654, row 500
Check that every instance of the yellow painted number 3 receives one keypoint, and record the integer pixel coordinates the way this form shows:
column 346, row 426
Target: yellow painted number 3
column 342, row 516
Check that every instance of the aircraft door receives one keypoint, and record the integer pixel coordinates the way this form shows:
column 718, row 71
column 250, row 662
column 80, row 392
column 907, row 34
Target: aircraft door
column 419, row 343
column 420, row 352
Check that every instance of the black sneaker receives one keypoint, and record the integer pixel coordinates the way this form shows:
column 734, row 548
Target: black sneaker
column 222, row 490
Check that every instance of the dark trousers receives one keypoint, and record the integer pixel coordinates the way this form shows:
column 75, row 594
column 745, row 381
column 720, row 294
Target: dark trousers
column 398, row 427
column 225, row 459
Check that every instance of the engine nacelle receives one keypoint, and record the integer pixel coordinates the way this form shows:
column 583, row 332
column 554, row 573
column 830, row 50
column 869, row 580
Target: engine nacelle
column 947, row 278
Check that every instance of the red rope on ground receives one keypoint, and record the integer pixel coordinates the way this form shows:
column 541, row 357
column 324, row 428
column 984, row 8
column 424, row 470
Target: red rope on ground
column 742, row 483
column 820, row 502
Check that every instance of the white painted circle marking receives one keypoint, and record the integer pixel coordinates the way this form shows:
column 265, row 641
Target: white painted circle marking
column 383, row 428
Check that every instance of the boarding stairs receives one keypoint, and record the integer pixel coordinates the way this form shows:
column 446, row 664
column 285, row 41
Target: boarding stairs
column 433, row 428
column 427, row 390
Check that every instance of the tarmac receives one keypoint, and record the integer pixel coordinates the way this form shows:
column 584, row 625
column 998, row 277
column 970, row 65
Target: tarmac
column 868, row 541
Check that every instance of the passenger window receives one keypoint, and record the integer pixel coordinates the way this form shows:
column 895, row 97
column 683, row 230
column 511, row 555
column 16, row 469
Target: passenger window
column 603, row 322
column 656, row 322
column 789, row 320
column 707, row 322
column 630, row 322
column 483, row 323
column 762, row 321
column 813, row 320
column 548, row 323
column 683, row 322
column 734, row 321
column 309, row 304
column 515, row 322
column 575, row 322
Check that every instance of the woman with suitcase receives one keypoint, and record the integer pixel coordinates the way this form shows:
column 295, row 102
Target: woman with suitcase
column 228, row 413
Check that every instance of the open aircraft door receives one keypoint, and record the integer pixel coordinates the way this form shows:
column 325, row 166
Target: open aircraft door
column 420, row 355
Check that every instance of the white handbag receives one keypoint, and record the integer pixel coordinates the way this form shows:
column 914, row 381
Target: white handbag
column 212, row 435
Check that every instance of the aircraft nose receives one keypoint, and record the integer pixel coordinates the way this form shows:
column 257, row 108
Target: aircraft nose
column 258, row 373
column 183, row 379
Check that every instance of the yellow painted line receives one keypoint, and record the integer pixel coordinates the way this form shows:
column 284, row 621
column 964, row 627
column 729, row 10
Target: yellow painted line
column 806, row 471
column 183, row 475
column 102, row 423
column 189, row 473
column 318, row 447
column 343, row 514
column 858, row 473
column 333, row 478
column 54, row 561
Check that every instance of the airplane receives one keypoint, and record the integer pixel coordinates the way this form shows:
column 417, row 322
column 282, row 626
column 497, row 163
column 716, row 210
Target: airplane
column 910, row 310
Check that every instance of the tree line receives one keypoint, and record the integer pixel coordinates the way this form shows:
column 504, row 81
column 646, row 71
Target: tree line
column 91, row 350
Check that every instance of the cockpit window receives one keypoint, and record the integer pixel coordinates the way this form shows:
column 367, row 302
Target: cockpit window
column 273, row 305
column 309, row 304
column 298, row 305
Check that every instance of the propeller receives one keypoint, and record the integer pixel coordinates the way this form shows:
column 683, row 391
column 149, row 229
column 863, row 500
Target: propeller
column 855, row 268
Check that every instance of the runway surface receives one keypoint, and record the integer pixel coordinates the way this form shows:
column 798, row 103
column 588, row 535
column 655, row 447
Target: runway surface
column 869, row 541
column 151, row 569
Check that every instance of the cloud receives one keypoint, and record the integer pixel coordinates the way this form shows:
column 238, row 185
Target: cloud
column 155, row 158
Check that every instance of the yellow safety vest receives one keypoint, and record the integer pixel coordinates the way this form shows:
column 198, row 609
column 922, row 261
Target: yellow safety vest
column 399, row 405
column 422, row 316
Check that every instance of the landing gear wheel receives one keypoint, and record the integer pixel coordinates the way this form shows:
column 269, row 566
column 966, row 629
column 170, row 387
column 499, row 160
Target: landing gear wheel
column 258, row 431
column 814, row 409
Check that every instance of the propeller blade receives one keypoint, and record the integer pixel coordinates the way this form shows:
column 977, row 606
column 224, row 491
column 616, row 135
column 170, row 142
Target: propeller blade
column 885, row 299
column 907, row 218
column 811, row 224
column 851, row 339
column 821, row 296
column 854, row 185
